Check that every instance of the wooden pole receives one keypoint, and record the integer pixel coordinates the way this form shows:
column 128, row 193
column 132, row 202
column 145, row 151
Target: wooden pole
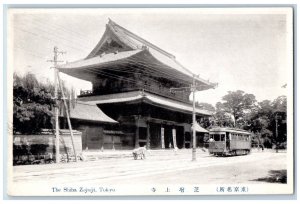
column 276, row 124
column 162, row 137
column 194, row 122
column 57, row 159
column 68, row 116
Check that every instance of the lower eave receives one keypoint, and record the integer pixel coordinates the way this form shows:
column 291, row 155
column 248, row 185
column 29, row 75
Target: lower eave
column 89, row 69
column 140, row 96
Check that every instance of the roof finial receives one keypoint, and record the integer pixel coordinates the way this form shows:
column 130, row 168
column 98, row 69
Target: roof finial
column 110, row 21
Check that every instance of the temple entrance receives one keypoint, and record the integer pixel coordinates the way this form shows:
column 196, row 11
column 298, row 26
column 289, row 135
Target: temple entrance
column 188, row 140
column 179, row 136
column 168, row 137
column 155, row 136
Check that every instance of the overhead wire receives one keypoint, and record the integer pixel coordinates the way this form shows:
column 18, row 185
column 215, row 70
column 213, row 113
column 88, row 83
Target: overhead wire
column 166, row 74
column 28, row 52
column 134, row 61
column 61, row 27
column 124, row 70
column 47, row 38
column 150, row 69
column 97, row 71
column 38, row 27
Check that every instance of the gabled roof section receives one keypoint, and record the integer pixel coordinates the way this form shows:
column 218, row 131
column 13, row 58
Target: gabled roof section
column 88, row 112
column 117, row 39
column 112, row 41
column 198, row 128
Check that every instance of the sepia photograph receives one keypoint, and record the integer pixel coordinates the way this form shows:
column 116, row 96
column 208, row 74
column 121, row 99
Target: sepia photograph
column 150, row 101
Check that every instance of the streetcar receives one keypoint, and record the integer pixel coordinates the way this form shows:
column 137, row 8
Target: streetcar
column 229, row 142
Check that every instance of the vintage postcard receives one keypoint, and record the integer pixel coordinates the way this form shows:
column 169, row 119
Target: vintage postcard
column 150, row 101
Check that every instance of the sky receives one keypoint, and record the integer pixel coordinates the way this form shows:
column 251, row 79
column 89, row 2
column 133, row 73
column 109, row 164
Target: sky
column 240, row 49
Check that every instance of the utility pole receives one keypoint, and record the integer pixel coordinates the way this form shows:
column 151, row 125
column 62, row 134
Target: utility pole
column 56, row 107
column 55, row 51
column 276, row 129
column 193, row 89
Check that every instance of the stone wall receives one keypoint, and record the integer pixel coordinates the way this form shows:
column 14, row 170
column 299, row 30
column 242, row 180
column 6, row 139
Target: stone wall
column 31, row 149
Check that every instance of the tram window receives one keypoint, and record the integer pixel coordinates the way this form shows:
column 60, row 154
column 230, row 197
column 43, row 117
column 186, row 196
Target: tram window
column 222, row 137
column 217, row 137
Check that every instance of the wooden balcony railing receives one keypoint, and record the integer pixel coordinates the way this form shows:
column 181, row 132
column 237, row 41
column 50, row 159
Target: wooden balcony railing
column 161, row 91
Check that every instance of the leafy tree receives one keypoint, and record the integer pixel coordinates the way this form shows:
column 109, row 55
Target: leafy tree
column 236, row 103
column 279, row 118
column 262, row 121
column 206, row 106
column 32, row 104
column 221, row 117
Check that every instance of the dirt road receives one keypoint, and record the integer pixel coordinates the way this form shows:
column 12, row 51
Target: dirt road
column 161, row 168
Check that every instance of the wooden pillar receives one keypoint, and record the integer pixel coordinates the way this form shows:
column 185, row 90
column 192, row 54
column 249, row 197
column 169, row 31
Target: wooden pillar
column 148, row 136
column 137, row 133
column 174, row 137
column 183, row 139
column 113, row 142
column 162, row 135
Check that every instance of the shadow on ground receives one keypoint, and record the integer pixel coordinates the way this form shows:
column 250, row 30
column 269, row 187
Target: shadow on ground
column 275, row 176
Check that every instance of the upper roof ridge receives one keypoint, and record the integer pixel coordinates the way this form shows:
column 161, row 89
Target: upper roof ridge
column 138, row 38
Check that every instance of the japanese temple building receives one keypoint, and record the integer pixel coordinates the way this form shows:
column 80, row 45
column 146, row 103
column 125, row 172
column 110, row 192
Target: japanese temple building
column 132, row 81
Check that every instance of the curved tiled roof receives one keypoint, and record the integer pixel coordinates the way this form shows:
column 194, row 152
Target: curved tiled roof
column 131, row 44
column 89, row 112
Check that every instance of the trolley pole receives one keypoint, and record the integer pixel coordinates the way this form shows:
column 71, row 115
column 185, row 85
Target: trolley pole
column 193, row 89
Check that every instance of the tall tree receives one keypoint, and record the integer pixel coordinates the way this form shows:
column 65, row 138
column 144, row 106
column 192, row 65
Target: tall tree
column 237, row 103
column 32, row 104
column 206, row 106
column 221, row 117
column 262, row 121
column 278, row 123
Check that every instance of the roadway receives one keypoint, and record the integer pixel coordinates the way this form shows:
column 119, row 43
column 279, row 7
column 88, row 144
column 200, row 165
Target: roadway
column 161, row 167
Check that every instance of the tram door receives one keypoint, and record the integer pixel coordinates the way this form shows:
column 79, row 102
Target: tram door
column 227, row 140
